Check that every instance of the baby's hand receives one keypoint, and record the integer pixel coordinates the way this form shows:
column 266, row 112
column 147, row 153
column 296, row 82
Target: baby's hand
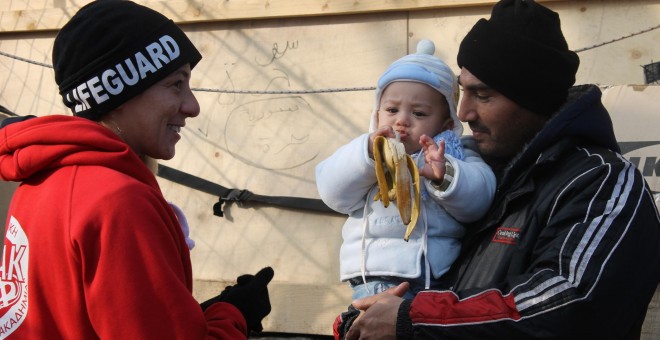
column 434, row 159
column 385, row 131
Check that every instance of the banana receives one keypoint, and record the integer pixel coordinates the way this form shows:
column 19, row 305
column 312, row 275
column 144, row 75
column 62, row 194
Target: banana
column 398, row 179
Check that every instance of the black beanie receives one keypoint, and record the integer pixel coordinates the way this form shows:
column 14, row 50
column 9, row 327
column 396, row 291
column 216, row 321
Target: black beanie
column 112, row 50
column 521, row 52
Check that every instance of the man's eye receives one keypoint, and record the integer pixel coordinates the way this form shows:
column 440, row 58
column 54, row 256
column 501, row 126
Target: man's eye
column 482, row 97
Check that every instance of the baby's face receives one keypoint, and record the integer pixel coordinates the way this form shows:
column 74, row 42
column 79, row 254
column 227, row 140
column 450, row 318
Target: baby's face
column 413, row 109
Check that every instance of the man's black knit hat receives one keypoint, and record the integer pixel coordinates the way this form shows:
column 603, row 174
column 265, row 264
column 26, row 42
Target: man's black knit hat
column 521, row 52
column 112, row 50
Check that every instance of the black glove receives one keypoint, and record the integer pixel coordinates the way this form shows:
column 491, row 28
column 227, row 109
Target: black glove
column 240, row 281
column 250, row 296
column 345, row 321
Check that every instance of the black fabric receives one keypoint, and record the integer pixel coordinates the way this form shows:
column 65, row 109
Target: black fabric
column 240, row 281
column 404, row 328
column 521, row 52
column 10, row 120
column 112, row 50
column 7, row 111
column 250, row 296
column 237, row 195
column 191, row 181
column 346, row 320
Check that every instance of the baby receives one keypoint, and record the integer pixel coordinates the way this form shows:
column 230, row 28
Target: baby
column 415, row 98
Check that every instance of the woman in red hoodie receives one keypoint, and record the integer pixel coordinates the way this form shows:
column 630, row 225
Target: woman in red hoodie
column 92, row 249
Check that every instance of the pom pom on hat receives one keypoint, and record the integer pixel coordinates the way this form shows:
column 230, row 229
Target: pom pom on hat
column 425, row 46
column 521, row 52
column 112, row 50
column 421, row 67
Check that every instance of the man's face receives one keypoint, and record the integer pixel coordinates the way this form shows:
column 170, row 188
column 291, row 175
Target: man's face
column 500, row 127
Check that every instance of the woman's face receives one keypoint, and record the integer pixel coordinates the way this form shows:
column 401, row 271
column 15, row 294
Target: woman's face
column 151, row 122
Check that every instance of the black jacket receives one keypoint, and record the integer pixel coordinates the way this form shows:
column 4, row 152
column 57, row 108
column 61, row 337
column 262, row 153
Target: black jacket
column 570, row 248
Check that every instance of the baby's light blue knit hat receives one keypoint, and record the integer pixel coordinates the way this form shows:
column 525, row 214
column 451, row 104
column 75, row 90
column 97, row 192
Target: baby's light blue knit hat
column 424, row 68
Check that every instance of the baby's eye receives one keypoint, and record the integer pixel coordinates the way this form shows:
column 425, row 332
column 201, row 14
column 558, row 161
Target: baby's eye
column 392, row 110
column 419, row 113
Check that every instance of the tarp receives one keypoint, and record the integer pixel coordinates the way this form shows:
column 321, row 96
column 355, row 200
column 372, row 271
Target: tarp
column 635, row 112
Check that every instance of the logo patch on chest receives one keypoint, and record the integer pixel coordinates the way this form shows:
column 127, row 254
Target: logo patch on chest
column 506, row 235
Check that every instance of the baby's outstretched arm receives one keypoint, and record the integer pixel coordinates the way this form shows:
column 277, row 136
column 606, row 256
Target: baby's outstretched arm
column 434, row 159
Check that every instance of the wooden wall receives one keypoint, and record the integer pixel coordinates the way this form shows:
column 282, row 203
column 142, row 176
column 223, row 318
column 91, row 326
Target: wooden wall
column 283, row 84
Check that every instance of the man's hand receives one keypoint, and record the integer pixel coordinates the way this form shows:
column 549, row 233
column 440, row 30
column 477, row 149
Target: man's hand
column 379, row 319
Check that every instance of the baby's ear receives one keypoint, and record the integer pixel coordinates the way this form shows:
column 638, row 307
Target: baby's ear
column 448, row 124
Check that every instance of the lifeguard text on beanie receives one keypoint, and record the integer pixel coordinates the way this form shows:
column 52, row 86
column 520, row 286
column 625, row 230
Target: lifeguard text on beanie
column 112, row 50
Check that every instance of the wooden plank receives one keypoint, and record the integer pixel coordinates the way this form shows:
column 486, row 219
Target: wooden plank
column 651, row 327
column 52, row 15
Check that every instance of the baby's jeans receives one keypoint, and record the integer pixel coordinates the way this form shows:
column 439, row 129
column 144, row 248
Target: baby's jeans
column 379, row 284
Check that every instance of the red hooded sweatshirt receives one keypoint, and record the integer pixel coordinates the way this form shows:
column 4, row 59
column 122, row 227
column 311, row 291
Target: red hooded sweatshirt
column 92, row 249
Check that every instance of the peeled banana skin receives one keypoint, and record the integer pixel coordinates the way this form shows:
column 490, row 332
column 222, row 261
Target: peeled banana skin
column 398, row 180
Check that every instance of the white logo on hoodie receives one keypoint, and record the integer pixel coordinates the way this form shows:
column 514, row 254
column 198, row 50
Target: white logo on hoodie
column 13, row 279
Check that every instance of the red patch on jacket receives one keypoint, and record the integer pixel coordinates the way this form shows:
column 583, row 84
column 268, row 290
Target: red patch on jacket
column 506, row 235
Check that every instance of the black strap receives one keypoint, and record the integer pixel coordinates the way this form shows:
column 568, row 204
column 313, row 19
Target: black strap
column 4, row 121
column 237, row 195
column 7, row 111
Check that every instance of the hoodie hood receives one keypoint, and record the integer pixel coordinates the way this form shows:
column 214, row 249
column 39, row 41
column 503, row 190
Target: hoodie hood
column 583, row 117
column 46, row 143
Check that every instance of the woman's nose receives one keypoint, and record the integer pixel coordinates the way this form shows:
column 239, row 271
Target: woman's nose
column 190, row 105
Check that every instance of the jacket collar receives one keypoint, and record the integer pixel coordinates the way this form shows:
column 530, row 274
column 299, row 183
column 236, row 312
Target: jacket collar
column 583, row 117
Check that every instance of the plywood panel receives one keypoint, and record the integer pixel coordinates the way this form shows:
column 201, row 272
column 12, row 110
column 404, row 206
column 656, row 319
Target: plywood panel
column 278, row 95
column 296, row 308
column 634, row 111
column 27, row 83
column 34, row 15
